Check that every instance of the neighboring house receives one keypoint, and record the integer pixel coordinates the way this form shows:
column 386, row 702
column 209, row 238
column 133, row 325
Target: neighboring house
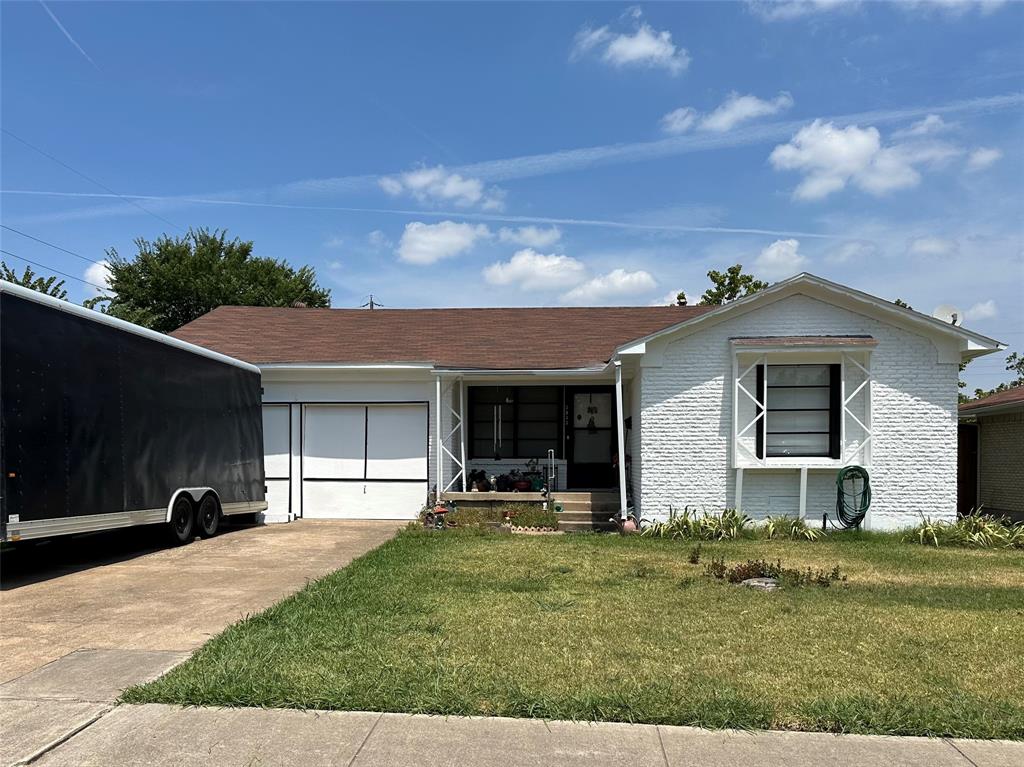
column 991, row 472
column 366, row 411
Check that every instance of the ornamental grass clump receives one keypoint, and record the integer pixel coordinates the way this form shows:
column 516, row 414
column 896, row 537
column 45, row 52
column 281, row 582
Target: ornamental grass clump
column 704, row 526
column 794, row 528
column 975, row 531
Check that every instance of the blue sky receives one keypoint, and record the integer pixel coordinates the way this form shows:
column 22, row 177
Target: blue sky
column 533, row 154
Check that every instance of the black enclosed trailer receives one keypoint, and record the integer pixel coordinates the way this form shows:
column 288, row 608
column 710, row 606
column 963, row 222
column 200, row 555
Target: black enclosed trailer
column 105, row 424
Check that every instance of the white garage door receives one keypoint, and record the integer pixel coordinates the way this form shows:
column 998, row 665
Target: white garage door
column 364, row 461
column 277, row 459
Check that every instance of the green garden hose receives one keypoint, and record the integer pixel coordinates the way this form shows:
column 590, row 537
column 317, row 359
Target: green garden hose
column 852, row 505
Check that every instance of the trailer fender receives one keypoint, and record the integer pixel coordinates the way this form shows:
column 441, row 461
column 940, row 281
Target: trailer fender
column 195, row 493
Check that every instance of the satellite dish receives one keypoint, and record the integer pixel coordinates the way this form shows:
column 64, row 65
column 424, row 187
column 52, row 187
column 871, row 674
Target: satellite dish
column 949, row 314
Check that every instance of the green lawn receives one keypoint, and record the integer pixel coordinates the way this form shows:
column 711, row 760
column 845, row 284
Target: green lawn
column 917, row 641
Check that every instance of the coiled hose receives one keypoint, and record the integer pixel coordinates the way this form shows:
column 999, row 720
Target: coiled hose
column 852, row 505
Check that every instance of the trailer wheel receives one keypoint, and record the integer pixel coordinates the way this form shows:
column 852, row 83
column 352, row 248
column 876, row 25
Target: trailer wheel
column 183, row 520
column 208, row 516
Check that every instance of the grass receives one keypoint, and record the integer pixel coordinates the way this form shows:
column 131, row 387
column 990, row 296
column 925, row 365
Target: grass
column 917, row 641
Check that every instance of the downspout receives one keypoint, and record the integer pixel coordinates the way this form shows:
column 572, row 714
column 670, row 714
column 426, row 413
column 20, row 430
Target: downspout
column 621, row 436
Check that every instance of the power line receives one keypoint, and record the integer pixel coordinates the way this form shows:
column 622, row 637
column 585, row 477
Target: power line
column 50, row 244
column 90, row 179
column 55, row 271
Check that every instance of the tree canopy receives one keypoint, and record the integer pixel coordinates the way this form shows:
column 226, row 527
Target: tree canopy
column 51, row 286
column 174, row 280
column 1015, row 366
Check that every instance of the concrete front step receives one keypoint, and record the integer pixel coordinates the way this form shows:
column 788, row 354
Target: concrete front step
column 566, row 526
column 602, row 507
column 588, row 495
column 587, row 516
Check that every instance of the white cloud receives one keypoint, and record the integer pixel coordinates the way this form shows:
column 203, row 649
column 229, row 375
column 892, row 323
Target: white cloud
column 679, row 120
column 982, row 157
column 852, row 252
column 779, row 260
column 644, row 46
column 530, row 270
column 952, row 8
column 428, row 243
column 436, row 184
column 932, row 247
column 786, row 10
column 378, row 239
column 334, row 241
column 831, row 157
column 615, row 284
column 734, row 110
column 929, row 125
column 983, row 310
column 531, row 236
column 737, row 108
column 669, row 299
column 98, row 274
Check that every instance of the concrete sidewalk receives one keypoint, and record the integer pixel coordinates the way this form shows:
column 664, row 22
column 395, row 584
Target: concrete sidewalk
column 212, row 737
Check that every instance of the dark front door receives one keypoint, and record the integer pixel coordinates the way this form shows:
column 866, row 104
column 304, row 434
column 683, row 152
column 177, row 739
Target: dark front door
column 590, row 437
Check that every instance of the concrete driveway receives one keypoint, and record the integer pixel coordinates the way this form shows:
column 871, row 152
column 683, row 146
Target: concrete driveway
column 82, row 618
column 108, row 592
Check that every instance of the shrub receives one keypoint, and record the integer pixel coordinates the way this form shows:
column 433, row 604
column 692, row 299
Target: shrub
column 728, row 525
column 794, row 528
column 977, row 531
column 695, row 555
column 528, row 515
column 759, row 568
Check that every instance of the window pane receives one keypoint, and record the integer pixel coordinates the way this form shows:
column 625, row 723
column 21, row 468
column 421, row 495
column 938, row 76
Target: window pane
column 481, row 448
column 797, row 399
column 546, row 394
column 541, row 412
column 491, row 394
column 798, row 375
column 537, row 448
column 596, row 407
column 797, row 444
column 539, row 430
column 797, row 420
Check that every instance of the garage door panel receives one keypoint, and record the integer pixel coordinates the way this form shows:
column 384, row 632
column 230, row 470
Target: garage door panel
column 363, row 500
column 278, row 491
column 276, row 442
column 396, row 442
column 334, row 441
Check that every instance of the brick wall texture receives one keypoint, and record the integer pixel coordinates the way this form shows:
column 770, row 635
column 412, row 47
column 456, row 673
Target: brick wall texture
column 1002, row 462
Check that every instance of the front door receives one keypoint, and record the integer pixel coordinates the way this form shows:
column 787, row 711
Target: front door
column 590, row 436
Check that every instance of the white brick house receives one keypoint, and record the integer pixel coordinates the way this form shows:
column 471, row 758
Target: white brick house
column 754, row 405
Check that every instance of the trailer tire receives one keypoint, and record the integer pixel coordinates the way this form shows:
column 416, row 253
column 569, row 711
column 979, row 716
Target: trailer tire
column 183, row 520
column 208, row 516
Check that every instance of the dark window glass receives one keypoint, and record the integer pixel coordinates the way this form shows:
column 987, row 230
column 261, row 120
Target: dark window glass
column 514, row 421
column 803, row 411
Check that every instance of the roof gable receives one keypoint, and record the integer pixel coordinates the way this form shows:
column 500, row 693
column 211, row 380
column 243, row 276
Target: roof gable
column 971, row 344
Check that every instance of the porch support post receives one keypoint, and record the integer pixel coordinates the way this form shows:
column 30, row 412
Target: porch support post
column 739, row 489
column 621, row 438
column 462, row 428
column 438, row 450
column 803, row 492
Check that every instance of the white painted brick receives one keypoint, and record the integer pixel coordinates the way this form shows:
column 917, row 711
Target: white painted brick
column 686, row 414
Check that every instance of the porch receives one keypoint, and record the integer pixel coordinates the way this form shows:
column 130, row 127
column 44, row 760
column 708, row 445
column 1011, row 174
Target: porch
column 507, row 438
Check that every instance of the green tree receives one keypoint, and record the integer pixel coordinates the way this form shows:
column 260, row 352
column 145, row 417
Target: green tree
column 51, row 286
column 1015, row 366
column 902, row 303
column 173, row 280
column 729, row 285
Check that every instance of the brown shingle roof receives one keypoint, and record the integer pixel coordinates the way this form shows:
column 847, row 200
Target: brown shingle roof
column 496, row 339
column 1012, row 396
